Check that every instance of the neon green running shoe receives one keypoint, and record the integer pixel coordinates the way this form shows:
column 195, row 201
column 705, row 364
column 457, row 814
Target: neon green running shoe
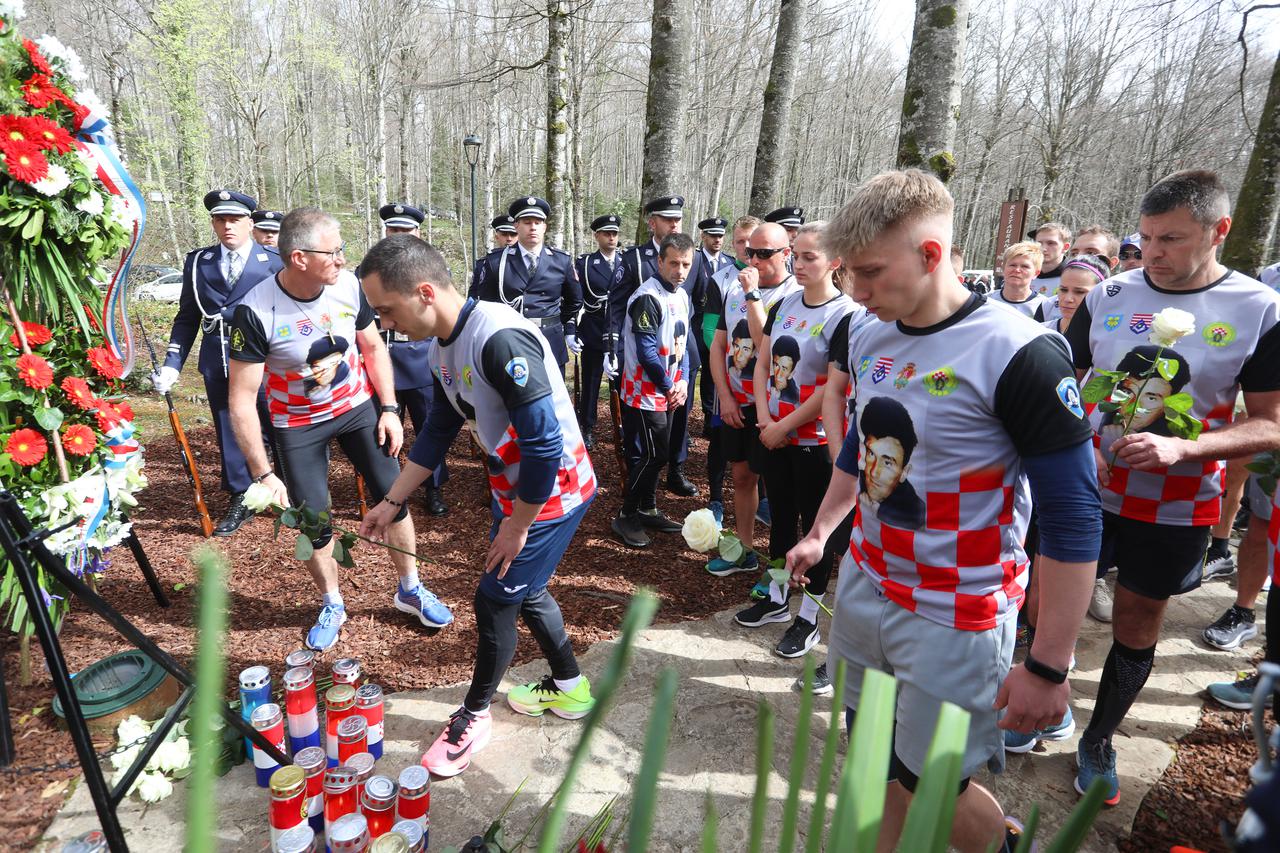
column 534, row 698
column 760, row 591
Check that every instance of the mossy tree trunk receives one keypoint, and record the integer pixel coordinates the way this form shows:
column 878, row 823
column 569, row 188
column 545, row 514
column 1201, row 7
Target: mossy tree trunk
column 775, row 120
column 557, row 117
column 670, row 51
column 1252, row 221
column 931, row 101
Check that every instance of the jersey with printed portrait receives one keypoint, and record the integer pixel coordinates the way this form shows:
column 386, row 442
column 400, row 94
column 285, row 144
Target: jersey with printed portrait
column 1235, row 345
column 942, row 419
column 740, row 354
column 664, row 313
column 498, row 361
column 314, row 372
column 800, row 338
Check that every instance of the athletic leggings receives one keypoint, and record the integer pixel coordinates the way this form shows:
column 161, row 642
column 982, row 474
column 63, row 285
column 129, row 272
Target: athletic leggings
column 797, row 477
column 646, row 436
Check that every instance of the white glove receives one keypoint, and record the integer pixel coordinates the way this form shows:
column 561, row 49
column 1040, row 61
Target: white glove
column 572, row 342
column 611, row 365
column 164, row 379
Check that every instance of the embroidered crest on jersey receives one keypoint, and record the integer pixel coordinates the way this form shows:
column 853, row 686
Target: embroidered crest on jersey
column 1112, row 322
column 1113, row 290
column 788, row 323
column 803, row 323
column 941, row 382
column 445, row 376
column 1218, row 334
column 645, row 322
column 518, row 369
column 237, row 339
column 305, row 327
column 904, row 375
column 283, row 332
column 1069, row 394
column 816, row 330
column 863, row 364
column 883, row 365
column 1140, row 323
column 466, row 375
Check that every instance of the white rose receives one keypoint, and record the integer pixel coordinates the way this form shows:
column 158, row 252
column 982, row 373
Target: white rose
column 92, row 204
column 700, row 530
column 174, row 755
column 53, row 183
column 154, row 787
column 132, row 728
column 1171, row 325
column 259, row 497
column 122, row 761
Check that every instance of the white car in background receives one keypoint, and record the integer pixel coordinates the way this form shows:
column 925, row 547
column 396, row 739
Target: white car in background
column 158, row 284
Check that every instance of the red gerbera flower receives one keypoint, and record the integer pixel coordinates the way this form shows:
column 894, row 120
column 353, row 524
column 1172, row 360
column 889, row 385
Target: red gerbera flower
column 37, row 335
column 77, row 391
column 105, row 362
column 26, row 446
column 46, row 134
column 79, row 440
column 14, row 129
column 24, row 161
column 35, row 371
column 37, row 59
column 92, row 318
column 39, row 91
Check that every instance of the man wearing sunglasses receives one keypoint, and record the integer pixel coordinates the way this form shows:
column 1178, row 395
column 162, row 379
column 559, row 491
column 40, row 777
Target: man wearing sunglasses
column 1130, row 253
column 309, row 331
column 214, row 280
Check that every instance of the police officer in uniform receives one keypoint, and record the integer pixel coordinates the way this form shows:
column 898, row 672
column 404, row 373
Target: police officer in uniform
column 595, row 275
column 214, row 280
column 710, row 256
column 664, row 216
column 535, row 280
column 504, row 235
column 790, row 218
column 411, row 360
column 266, row 227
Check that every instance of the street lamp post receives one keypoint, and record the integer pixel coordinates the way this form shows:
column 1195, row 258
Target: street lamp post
column 471, row 145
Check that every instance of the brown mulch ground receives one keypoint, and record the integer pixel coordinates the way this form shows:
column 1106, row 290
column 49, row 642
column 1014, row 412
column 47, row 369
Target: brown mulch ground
column 272, row 603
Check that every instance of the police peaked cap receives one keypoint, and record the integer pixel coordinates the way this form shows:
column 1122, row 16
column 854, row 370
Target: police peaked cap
column 401, row 216
column 608, row 222
column 787, row 217
column 267, row 220
column 229, row 203
column 504, row 224
column 529, row 206
column 714, row 226
column 668, row 206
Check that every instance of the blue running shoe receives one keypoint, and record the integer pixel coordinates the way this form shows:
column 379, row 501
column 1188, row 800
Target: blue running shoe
column 722, row 568
column 760, row 591
column 1025, row 742
column 762, row 513
column 422, row 602
column 717, row 509
column 329, row 623
column 1097, row 761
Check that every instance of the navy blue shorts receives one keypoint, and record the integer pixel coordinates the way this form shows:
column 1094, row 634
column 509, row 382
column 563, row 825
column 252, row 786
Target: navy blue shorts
column 533, row 567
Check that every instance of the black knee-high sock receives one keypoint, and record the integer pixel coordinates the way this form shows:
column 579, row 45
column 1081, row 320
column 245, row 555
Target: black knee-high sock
column 1123, row 676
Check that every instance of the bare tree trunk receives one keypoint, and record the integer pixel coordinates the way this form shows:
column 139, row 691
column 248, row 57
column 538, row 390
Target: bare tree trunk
column 1246, row 245
column 932, row 97
column 670, row 46
column 775, row 119
column 557, row 117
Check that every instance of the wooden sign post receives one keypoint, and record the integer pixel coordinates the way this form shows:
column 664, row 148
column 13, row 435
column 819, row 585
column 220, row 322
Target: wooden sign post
column 1012, row 224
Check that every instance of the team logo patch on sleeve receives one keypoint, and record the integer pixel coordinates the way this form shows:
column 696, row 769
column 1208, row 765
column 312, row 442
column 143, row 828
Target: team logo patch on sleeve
column 1113, row 290
column 1112, row 322
column 518, row 369
column 1218, row 334
column 1069, row 394
column 237, row 340
column 941, row 382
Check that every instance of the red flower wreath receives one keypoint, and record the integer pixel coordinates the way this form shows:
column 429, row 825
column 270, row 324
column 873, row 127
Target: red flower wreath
column 47, row 134
column 26, row 446
column 78, row 392
column 24, row 161
column 37, row 335
column 79, row 440
column 111, row 414
column 39, row 91
column 15, row 129
column 37, row 59
column 35, row 371
column 105, row 362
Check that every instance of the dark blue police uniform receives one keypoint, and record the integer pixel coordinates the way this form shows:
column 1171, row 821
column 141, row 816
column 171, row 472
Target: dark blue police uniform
column 595, row 276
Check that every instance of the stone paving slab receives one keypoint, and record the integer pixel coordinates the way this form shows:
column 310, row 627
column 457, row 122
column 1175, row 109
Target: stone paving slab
column 724, row 671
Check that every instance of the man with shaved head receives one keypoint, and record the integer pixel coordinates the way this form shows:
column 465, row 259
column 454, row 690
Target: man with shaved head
column 759, row 286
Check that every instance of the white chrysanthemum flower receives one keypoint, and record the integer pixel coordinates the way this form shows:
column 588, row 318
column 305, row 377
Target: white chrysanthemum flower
column 90, row 99
column 53, row 183
column 121, row 212
column 13, row 10
column 52, row 47
column 92, row 204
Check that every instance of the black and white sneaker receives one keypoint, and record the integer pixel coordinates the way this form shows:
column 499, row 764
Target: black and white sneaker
column 800, row 637
column 1232, row 629
column 821, row 682
column 658, row 522
column 1218, row 566
column 763, row 613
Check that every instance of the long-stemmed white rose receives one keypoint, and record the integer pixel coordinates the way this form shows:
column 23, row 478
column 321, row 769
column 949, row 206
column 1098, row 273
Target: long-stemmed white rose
column 701, row 531
column 1171, row 325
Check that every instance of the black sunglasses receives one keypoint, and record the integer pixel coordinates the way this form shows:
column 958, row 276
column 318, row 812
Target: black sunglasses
column 763, row 254
column 1135, row 255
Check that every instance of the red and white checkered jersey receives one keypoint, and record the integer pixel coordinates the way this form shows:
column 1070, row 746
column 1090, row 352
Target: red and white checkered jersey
column 469, row 375
column 740, row 357
column 313, row 368
column 942, row 419
column 800, row 338
column 1233, row 346
column 665, row 313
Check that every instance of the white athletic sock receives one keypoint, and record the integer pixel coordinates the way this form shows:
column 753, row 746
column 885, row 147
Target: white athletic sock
column 809, row 608
column 409, row 582
column 776, row 593
column 483, row 713
column 567, row 684
column 334, row 598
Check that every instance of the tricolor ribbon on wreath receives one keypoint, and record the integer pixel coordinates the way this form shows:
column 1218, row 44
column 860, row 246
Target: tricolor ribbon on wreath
column 96, row 140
